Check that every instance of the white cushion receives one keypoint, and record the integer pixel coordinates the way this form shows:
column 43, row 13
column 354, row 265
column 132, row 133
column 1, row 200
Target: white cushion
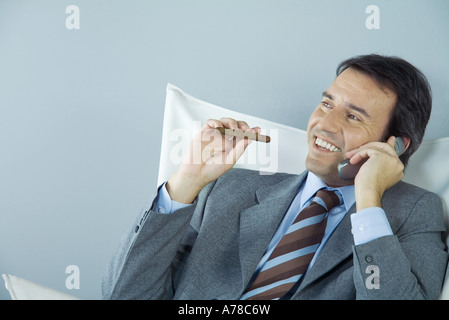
column 21, row 289
column 184, row 116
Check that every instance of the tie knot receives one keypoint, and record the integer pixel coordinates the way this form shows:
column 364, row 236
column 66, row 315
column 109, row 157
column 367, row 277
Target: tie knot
column 330, row 198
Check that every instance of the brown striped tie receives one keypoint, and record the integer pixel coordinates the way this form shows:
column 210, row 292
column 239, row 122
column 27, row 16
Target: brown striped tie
column 292, row 255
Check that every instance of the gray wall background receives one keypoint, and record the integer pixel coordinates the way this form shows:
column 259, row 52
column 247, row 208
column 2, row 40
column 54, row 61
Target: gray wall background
column 81, row 110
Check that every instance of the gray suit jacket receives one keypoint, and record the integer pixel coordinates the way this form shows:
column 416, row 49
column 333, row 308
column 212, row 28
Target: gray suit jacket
column 210, row 250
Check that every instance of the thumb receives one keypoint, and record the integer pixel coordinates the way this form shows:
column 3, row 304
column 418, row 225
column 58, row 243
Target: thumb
column 392, row 141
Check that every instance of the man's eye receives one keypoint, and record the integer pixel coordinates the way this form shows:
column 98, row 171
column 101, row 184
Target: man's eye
column 325, row 104
column 353, row 117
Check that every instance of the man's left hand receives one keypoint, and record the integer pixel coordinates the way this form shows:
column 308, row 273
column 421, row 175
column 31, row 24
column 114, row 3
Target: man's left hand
column 381, row 171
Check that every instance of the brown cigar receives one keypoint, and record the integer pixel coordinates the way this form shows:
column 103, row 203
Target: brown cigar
column 241, row 134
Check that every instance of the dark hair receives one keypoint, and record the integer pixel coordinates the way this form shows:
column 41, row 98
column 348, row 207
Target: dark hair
column 414, row 98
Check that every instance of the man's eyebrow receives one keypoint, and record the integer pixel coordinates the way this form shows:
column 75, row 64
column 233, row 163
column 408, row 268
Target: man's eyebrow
column 327, row 95
column 359, row 110
column 349, row 105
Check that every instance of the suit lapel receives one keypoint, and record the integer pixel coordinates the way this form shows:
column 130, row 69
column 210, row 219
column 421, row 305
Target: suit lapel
column 258, row 223
column 337, row 248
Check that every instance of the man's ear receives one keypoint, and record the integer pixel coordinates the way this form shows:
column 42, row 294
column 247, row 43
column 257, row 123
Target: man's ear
column 406, row 142
column 392, row 142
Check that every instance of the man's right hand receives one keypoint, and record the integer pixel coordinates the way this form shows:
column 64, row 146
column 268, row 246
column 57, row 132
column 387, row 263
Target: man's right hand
column 209, row 156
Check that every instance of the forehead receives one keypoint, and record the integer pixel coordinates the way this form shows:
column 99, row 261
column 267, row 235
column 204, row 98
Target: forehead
column 360, row 89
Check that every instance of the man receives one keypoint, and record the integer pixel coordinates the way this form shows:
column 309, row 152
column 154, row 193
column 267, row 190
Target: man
column 217, row 233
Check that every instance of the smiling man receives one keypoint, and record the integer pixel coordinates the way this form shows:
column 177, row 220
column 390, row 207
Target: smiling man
column 214, row 232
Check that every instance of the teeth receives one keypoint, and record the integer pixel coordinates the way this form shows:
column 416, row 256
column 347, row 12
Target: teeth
column 326, row 145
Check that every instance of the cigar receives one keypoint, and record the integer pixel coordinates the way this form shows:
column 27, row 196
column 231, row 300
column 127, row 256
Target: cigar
column 241, row 134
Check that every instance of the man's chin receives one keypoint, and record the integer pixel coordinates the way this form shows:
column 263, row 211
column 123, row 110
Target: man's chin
column 328, row 173
column 319, row 167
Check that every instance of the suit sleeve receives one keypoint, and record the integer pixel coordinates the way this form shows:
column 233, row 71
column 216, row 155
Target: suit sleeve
column 150, row 256
column 411, row 263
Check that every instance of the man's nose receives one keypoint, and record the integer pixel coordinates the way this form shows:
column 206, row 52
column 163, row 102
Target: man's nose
column 331, row 122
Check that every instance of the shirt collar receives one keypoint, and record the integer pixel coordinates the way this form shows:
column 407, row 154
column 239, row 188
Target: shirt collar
column 313, row 184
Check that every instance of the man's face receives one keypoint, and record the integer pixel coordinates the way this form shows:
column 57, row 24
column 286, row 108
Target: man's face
column 354, row 110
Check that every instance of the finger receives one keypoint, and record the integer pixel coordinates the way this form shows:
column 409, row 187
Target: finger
column 364, row 152
column 223, row 122
column 246, row 128
column 237, row 150
column 226, row 153
column 212, row 123
column 354, row 154
column 358, row 156
column 210, row 135
column 256, row 130
column 229, row 123
column 243, row 126
column 392, row 141
column 387, row 147
column 235, row 125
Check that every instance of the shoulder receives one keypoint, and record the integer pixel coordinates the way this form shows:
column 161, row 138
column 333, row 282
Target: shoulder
column 241, row 184
column 405, row 203
column 238, row 178
column 409, row 194
column 261, row 176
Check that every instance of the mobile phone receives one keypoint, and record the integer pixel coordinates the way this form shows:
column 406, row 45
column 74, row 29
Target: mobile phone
column 348, row 171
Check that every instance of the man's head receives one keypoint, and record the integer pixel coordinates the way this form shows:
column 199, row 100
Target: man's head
column 372, row 98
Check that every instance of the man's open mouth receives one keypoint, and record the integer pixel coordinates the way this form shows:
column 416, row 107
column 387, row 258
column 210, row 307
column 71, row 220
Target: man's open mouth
column 326, row 145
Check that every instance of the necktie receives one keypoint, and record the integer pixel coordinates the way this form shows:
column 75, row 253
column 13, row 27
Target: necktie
column 292, row 255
